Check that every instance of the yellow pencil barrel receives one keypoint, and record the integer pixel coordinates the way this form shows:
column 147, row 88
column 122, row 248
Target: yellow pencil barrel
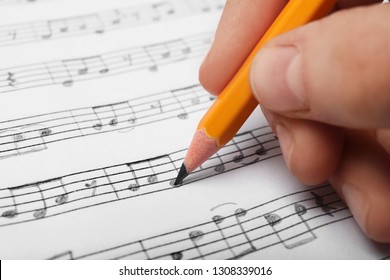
column 236, row 102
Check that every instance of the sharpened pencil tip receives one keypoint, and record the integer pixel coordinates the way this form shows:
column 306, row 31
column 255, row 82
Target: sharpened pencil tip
column 182, row 174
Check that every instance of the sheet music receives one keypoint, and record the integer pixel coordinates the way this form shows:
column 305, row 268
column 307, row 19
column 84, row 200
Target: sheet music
column 98, row 103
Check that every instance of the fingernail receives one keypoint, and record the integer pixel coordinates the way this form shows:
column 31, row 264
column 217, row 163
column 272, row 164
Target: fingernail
column 357, row 202
column 277, row 80
column 286, row 143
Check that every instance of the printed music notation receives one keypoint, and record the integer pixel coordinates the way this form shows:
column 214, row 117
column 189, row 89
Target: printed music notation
column 33, row 134
column 233, row 232
column 71, row 192
column 69, row 71
column 105, row 21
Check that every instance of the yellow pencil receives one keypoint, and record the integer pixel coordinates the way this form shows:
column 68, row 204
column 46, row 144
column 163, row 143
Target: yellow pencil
column 236, row 102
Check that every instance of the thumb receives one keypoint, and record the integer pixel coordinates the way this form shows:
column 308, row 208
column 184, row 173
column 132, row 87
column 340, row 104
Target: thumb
column 335, row 70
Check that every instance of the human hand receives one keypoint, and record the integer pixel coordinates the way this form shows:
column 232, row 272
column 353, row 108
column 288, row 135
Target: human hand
column 325, row 90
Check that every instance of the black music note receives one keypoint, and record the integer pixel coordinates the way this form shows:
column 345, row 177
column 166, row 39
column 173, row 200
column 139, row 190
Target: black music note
column 82, row 66
column 92, row 185
column 133, row 186
column 117, row 18
column 237, row 158
column 220, row 168
column 129, row 59
column 13, row 212
column 324, row 207
column 239, row 213
column 195, row 236
column 273, row 219
column 46, row 132
column 29, row 139
column 40, row 213
column 183, row 115
column 177, row 255
column 11, row 79
column 162, row 9
column 231, row 229
column 218, row 219
column 105, row 112
column 291, row 232
column 12, row 34
column 153, row 177
column 48, row 33
column 157, row 105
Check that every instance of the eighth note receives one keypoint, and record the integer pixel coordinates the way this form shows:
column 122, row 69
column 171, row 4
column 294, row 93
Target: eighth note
column 92, row 185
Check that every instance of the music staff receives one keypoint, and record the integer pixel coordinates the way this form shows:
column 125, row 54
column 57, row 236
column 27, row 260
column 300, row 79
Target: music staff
column 105, row 21
column 69, row 71
column 33, row 134
column 233, row 232
column 89, row 188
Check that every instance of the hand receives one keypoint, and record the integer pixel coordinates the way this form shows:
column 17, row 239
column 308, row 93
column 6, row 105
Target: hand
column 325, row 90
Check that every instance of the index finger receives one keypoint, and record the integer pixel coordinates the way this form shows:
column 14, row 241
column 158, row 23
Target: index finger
column 242, row 25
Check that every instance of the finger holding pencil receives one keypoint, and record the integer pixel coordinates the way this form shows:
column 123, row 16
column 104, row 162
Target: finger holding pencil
column 236, row 102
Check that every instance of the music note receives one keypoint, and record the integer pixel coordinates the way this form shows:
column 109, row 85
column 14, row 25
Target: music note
column 195, row 236
column 9, row 208
column 11, row 79
column 128, row 58
column 92, row 185
column 40, row 212
column 239, row 213
column 220, row 167
column 177, row 255
column 237, row 158
column 324, row 207
column 162, row 9
column 82, row 66
column 48, row 30
column 12, row 34
column 231, row 229
column 113, row 115
column 133, row 186
column 153, row 177
column 46, row 132
column 26, row 140
column 157, row 105
column 105, row 112
column 292, row 230
column 183, row 115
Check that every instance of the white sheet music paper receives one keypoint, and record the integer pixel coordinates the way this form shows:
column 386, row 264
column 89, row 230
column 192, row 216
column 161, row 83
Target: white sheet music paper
column 98, row 103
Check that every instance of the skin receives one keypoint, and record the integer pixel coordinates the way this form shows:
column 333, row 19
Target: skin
column 325, row 90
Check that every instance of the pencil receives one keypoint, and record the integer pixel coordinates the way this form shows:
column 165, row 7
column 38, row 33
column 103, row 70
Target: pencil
column 236, row 102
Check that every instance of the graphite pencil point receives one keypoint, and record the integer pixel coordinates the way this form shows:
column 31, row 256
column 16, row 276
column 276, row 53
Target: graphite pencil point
column 182, row 175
